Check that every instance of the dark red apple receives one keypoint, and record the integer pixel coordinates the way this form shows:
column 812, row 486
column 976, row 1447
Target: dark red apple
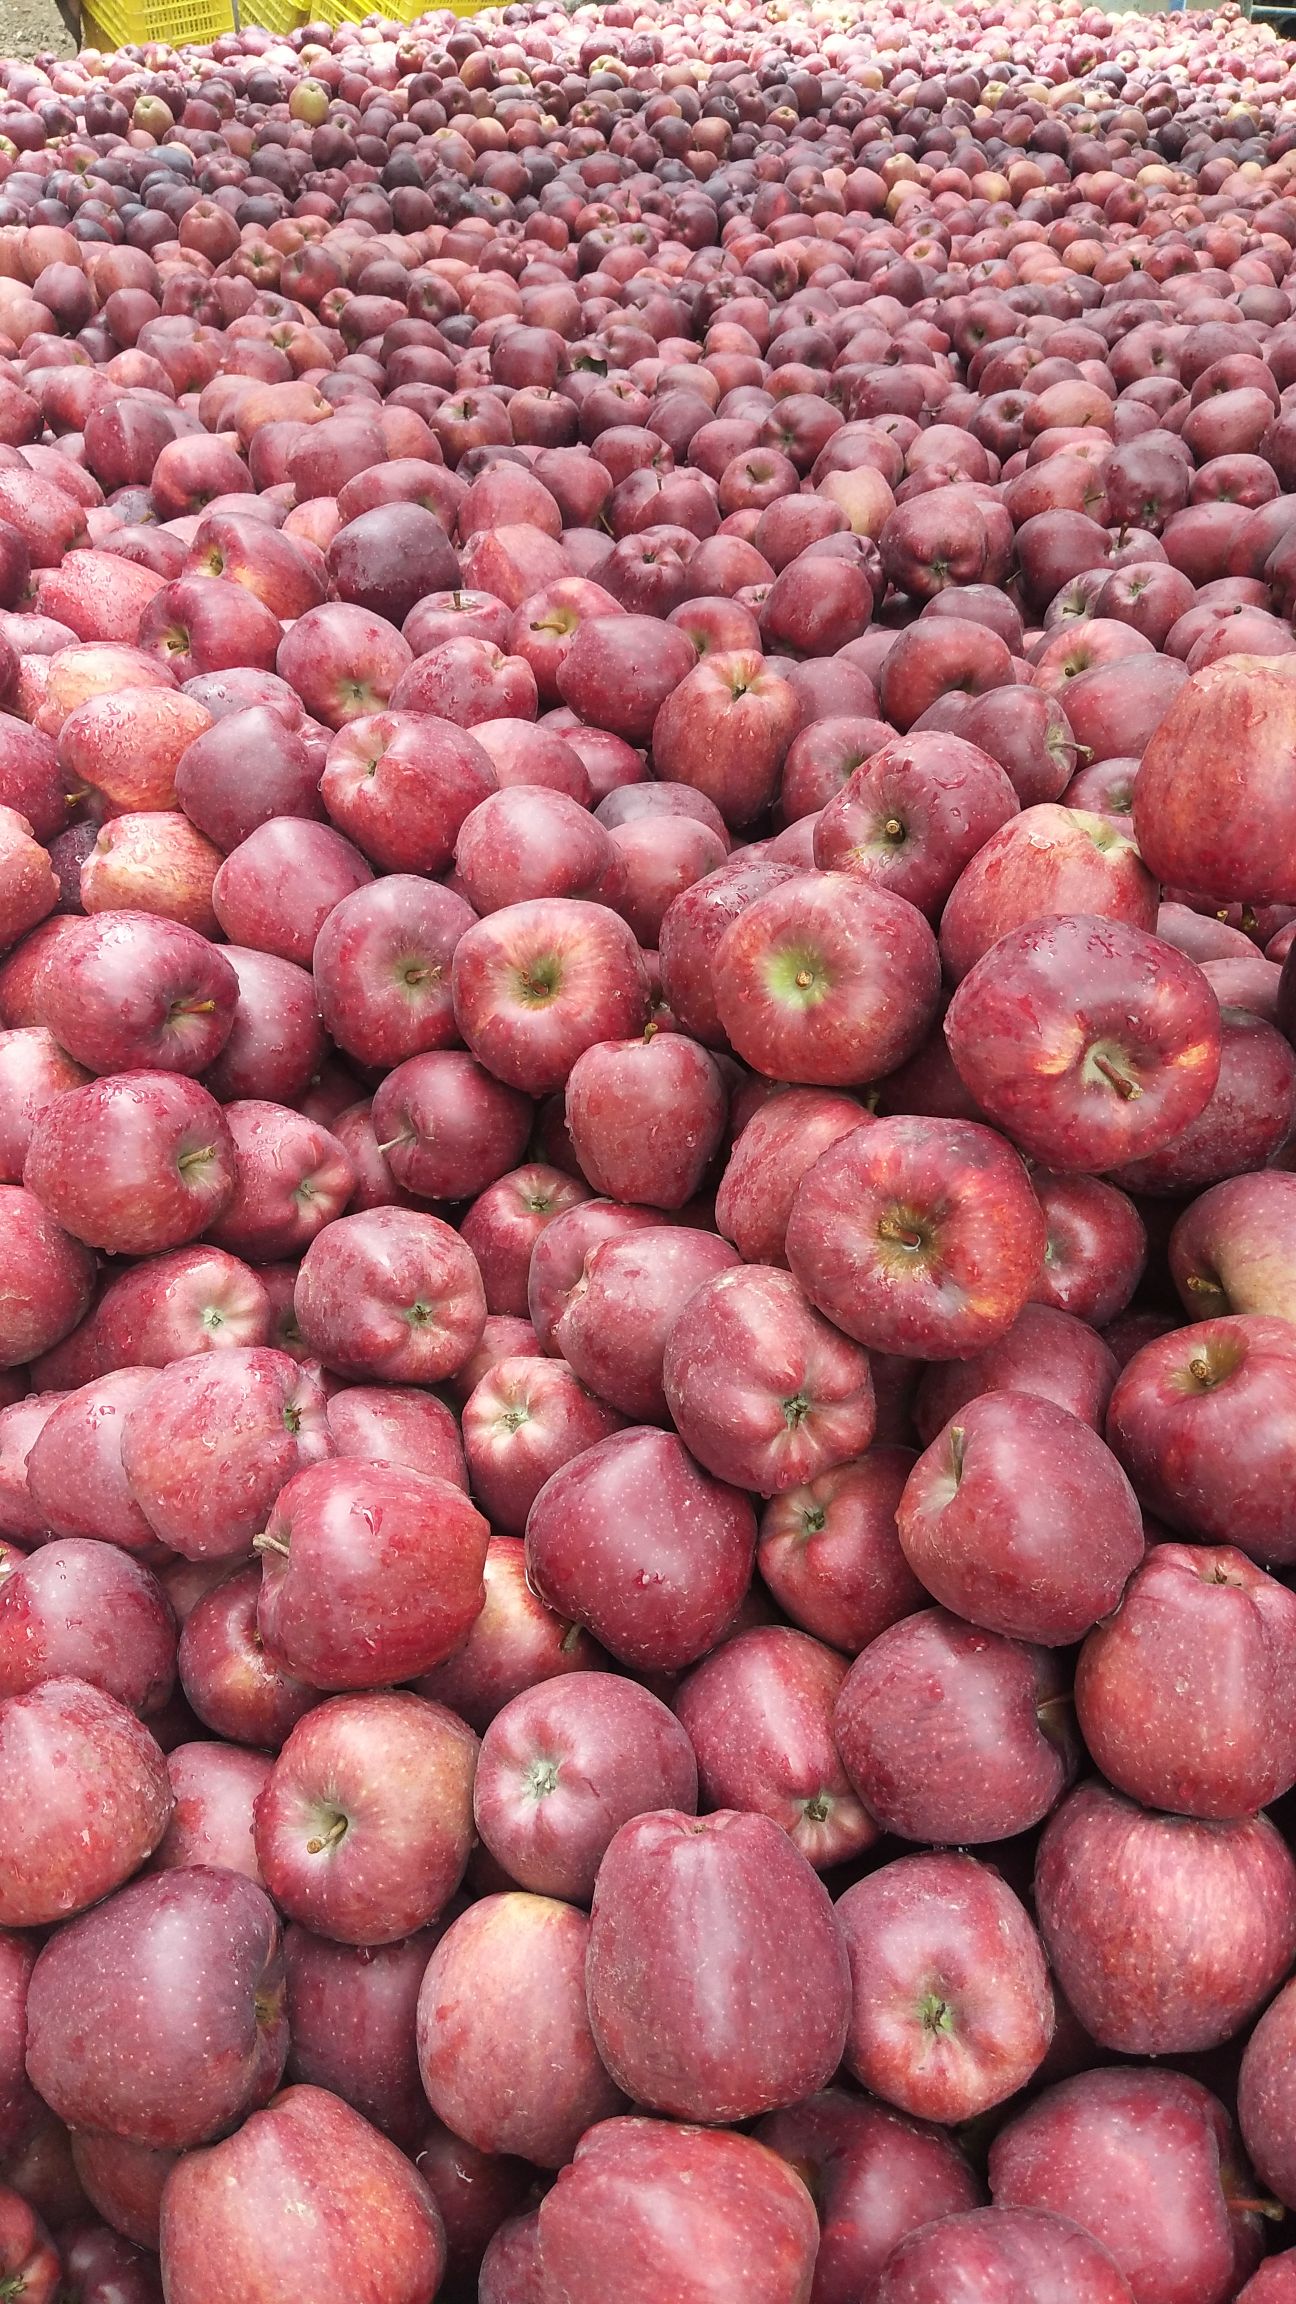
column 1165, row 1934
column 951, row 2004
column 374, row 2225
column 715, row 2020
column 952, row 1734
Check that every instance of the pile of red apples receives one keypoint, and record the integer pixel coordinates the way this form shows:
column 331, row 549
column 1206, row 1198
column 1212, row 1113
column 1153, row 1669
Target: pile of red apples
column 648, row 1161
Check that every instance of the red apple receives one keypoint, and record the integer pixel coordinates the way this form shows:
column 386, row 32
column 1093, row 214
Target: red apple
column 918, row 1236
column 951, row 2004
column 364, row 1827
column 745, row 2014
column 993, row 1708
column 375, row 2223
column 632, row 1540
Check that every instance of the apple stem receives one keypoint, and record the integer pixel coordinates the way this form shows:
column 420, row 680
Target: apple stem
column 330, row 1839
column 267, row 1543
column 957, row 1440
column 1120, row 1081
column 894, row 1228
column 1259, row 2206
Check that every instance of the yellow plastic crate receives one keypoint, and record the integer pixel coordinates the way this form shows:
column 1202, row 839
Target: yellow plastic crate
column 281, row 16
column 134, row 23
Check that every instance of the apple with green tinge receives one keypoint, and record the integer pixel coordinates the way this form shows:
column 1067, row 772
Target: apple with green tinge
column 920, row 1237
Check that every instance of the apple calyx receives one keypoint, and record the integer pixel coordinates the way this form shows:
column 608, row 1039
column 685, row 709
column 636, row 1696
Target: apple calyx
column 935, row 2014
column 542, row 1778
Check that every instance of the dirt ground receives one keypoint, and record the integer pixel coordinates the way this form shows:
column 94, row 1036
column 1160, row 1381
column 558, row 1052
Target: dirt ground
column 33, row 27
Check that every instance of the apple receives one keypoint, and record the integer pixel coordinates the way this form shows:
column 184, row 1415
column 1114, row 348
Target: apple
column 244, row 770
column 1120, row 1895
column 1220, row 756
column 999, row 1720
column 343, row 661
column 747, row 2016
column 758, row 1711
column 79, row 1610
column 690, row 933
column 210, row 1443
column 350, row 2011
column 215, row 1787
column 764, row 1392
column 1181, row 1695
column 371, row 1573
column 559, row 1255
column 918, row 1236
column 1199, row 1420
column 1147, row 2162
column 29, row 2261
column 1264, row 2098
column 515, row 1643
column 1046, row 860
column 564, row 1764
column 134, row 1163
column 510, row 1974
column 1227, row 1251
column 991, row 2252
column 86, row 1799
column 390, row 1295
column 676, row 2210
column 401, row 785
column 538, row 983
column 826, row 981
column 375, row 2221
column 381, row 965
column 111, row 1976
column 1045, row 1352
column 292, row 1178
column 234, row 1687
column 875, row 2178
column 613, row 1325
column 726, row 727
column 645, row 1117
column 1095, row 1247
column 50, row 1274
column 951, row 2003
column 635, row 1542
column 33, row 1071
column 364, row 1827
column 1089, row 1041
column 276, row 889
column 397, row 1425
column 276, row 1043
column 1019, row 1518
column 525, row 1419
column 913, row 816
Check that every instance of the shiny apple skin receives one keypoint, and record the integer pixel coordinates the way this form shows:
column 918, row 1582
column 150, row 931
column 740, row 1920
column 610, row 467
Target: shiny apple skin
column 952, row 2008
column 1186, row 1694
column 717, row 1975
column 1089, row 1042
column 986, row 1761
column 919, row 1237
column 1166, row 1933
